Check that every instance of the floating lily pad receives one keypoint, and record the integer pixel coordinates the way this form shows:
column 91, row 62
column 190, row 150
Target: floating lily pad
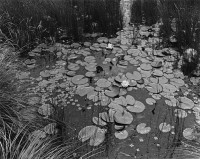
column 142, row 129
column 121, row 135
column 119, row 127
column 185, row 103
column 116, row 106
column 98, row 137
column 45, row 73
column 188, row 133
column 133, row 52
column 168, row 88
column 103, row 83
column 150, row 101
column 154, row 88
column 156, row 64
column 136, row 75
column 98, row 121
column 130, row 100
column 79, row 80
column 157, row 73
column 162, row 80
column 123, row 117
column 164, row 127
column 145, row 67
column 87, row 132
column 138, row 107
column 50, row 129
column 180, row 113
column 45, row 110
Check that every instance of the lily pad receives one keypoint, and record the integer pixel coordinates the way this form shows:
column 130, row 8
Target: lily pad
column 133, row 52
column 50, row 129
column 79, row 80
column 136, row 75
column 103, row 83
column 145, row 67
column 157, row 73
column 154, row 88
column 130, row 100
column 98, row 137
column 185, row 103
column 188, row 133
column 142, row 129
column 168, row 88
column 180, row 113
column 87, row 132
column 98, row 121
column 121, row 135
column 45, row 110
column 138, row 107
column 164, row 127
column 123, row 117
column 116, row 106
column 150, row 101
column 156, row 64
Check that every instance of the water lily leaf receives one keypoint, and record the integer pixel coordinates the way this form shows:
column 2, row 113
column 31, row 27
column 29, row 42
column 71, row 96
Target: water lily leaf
column 98, row 137
column 133, row 52
column 145, row 66
column 104, row 83
column 119, row 127
column 177, row 82
column 45, row 110
column 162, row 80
column 142, row 129
column 188, row 133
column 98, row 121
column 50, row 128
column 150, row 101
column 130, row 100
column 73, row 67
column 154, row 88
column 116, row 107
column 180, row 113
column 157, row 73
column 104, row 100
column 185, row 103
column 164, row 127
column 88, row 132
column 112, row 93
column 123, row 117
column 79, row 80
column 104, row 116
column 121, row 135
column 45, row 73
column 136, row 75
column 102, row 40
column 138, row 107
column 168, row 88
column 156, row 64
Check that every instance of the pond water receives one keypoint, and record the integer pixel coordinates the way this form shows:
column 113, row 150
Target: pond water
column 118, row 97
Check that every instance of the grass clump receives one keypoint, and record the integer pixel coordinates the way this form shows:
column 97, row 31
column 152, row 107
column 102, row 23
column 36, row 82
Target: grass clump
column 180, row 29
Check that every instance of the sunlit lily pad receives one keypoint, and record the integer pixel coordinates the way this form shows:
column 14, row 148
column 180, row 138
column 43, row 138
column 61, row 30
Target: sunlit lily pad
column 188, row 133
column 168, row 88
column 50, row 128
column 88, row 132
column 98, row 121
column 180, row 113
column 185, row 103
column 145, row 67
column 164, row 127
column 133, row 52
column 98, row 137
column 116, row 106
column 45, row 110
column 142, row 129
column 104, row 83
column 79, row 80
column 156, row 64
column 123, row 117
column 154, row 88
column 136, row 75
column 157, row 73
column 121, row 135
column 138, row 107
column 130, row 100
column 150, row 101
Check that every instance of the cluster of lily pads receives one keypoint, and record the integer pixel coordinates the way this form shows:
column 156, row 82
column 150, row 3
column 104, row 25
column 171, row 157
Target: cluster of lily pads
column 142, row 67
